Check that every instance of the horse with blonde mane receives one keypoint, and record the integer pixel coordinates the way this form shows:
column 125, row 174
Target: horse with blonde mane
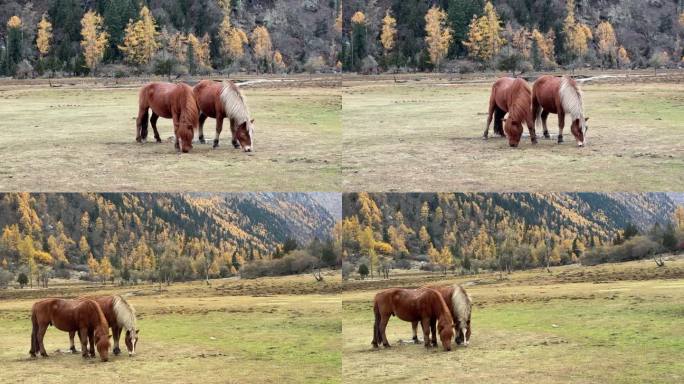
column 220, row 100
column 513, row 97
column 170, row 101
column 460, row 306
column 422, row 305
column 120, row 315
column 81, row 315
column 560, row 95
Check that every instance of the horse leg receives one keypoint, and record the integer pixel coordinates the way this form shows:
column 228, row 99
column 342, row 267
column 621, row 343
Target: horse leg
column 233, row 130
column 41, row 337
column 425, row 322
column 414, row 325
column 219, row 128
column 433, row 329
column 490, row 113
column 83, row 337
column 72, row 347
column 153, row 121
column 561, row 125
column 202, row 119
column 141, row 124
column 383, row 327
column 544, row 116
column 91, row 340
column 116, row 333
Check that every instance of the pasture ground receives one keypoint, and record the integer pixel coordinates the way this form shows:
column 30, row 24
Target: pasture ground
column 430, row 127
column 192, row 333
column 614, row 323
column 80, row 136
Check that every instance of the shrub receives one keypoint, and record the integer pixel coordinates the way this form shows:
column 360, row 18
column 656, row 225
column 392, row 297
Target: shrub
column 22, row 279
column 636, row 248
column 24, row 70
column 295, row 262
column 363, row 271
column 347, row 269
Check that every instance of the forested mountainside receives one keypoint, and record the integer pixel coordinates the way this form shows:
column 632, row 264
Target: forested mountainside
column 546, row 33
column 137, row 231
column 483, row 226
column 173, row 35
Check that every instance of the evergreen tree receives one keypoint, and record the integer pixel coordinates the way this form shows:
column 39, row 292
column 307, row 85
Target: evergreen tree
column 460, row 13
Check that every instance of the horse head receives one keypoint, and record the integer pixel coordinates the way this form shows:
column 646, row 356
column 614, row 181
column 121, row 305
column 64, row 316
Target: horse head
column 102, row 337
column 446, row 333
column 245, row 135
column 132, row 341
column 185, row 135
column 579, row 129
column 514, row 131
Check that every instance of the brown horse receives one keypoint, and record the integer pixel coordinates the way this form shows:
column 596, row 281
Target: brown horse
column 224, row 100
column 560, row 95
column 420, row 305
column 460, row 306
column 120, row 315
column 170, row 101
column 82, row 315
column 512, row 96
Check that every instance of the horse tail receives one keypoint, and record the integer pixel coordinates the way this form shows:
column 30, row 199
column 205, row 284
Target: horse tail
column 536, row 107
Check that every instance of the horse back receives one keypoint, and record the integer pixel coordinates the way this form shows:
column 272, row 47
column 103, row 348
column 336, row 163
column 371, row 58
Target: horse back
column 546, row 92
column 208, row 96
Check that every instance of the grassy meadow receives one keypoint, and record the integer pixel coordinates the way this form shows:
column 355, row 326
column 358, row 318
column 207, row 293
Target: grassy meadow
column 614, row 323
column 80, row 136
column 231, row 332
column 430, row 127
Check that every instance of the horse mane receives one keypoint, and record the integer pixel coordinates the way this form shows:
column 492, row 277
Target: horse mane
column 190, row 109
column 446, row 314
column 521, row 108
column 234, row 103
column 571, row 98
column 462, row 305
column 124, row 312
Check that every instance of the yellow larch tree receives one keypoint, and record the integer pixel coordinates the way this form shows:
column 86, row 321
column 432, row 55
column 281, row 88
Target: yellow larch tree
column 105, row 270
column 485, row 35
column 577, row 34
column 545, row 43
column 679, row 218
column 521, row 40
column 438, row 35
column 623, row 57
column 389, row 32
column 200, row 47
column 606, row 40
column 278, row 62
column 261, row 44
column 44, row 36
column 14, row 22
column 93, row 266
column 358, row 18
column 140, row 42
column 94, row 39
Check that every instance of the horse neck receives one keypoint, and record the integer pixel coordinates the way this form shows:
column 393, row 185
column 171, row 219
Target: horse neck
column 234, row 104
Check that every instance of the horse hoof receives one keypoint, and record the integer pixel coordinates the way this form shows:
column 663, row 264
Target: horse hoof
column 158, row 139
column 546, row 135
column 560, row 139
column 116, row 351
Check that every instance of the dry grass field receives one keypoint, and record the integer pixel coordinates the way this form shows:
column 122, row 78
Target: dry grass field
column 80, row 136
column 234, row 331
column 424, row 133
column 614, row 323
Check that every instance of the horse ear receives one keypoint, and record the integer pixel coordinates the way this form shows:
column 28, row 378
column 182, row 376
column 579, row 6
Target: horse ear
column 586, row 119
column 110, row 336
column 252, row 121
column 137, row 331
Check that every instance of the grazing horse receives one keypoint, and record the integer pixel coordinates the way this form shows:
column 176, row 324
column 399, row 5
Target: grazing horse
column 170, row 101
column 460, row 306
column 560, row 95
column 224, row 100
column 512, row 96
column 424, row 305
column 82, row 315
column 120, row 315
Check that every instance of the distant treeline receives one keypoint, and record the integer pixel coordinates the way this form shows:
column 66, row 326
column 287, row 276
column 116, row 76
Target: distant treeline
column 472, row 232
column 158, row 237
column 466, row 35
column 166, row 37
